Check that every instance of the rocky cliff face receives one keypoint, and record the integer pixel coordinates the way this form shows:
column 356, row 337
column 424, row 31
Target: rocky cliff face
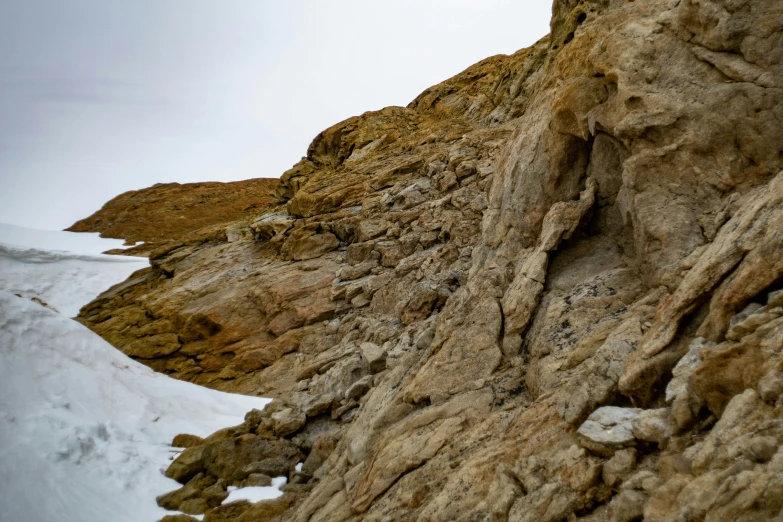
column 173, row 211
column 547, row 289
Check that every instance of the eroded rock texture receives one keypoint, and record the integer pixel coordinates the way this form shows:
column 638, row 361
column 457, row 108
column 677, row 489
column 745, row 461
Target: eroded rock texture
column 548, row 289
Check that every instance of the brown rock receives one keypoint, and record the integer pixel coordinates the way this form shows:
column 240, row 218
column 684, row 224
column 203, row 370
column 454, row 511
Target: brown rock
column 194, row 506
column 186, row 440
column 227, row 512
column 359, row 388
column 173, row 500
column 619, row 466
column 234, row 461
column 287, row 421
column 257, row 480
column 310, row 242
column 654, row 425
column 178, row 518
column 627, row 506
column 145, row 215
column 374, row 355
column 268, row 510
column 537, row 244
column 215, row 494
column 187, row 464
column 318, row 455
column 272, row 467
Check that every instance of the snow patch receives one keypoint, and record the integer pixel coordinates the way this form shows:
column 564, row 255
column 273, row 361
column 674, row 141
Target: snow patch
column 78, row 242
column 256, row 494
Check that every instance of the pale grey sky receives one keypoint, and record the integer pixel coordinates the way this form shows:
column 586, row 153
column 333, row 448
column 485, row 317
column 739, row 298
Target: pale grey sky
column 102, row 96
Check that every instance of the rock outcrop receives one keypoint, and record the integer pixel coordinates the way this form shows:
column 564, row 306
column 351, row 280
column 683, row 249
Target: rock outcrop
column 171, row 211
column 548, row 289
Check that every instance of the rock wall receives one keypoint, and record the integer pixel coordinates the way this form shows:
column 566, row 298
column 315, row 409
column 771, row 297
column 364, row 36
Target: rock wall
column 547, row 289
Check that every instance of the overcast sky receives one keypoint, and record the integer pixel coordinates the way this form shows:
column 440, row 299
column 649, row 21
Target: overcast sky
column 102, row 96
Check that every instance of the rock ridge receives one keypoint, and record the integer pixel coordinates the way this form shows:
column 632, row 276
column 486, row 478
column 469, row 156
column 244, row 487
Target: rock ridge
column 172, row 211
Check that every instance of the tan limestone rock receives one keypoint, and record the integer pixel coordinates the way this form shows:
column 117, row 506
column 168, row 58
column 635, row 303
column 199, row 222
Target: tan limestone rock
column 590, row 223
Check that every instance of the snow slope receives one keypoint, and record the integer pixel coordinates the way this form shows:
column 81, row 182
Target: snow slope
column 84, row 430
column 79, row 243
column 62, row 269
column 63, row 280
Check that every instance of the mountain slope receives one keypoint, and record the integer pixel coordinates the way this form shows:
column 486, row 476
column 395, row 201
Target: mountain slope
column 546, row 289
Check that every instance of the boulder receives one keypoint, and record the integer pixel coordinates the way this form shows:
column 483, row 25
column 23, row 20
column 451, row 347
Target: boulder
column 227, row 512
column 194, row 506
column 185, row 440
column 654, row 425
column 257, row 480
column 312, row 405
column 271, row 467
column 172, row 500
column 288, row 421
column 609, row 429
column 215, row 494
column 187, row 464
column 233, row 460
column 359, row 388
column 374, row 355
column 619, row 466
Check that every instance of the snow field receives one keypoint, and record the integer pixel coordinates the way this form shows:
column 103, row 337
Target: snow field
column 85, row 430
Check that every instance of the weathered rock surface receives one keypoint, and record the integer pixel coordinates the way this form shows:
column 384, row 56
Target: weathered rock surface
column 548, row 289
column 172, row 211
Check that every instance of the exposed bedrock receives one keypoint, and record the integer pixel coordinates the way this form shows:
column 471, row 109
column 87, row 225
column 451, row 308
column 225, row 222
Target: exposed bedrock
column 548, row 289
